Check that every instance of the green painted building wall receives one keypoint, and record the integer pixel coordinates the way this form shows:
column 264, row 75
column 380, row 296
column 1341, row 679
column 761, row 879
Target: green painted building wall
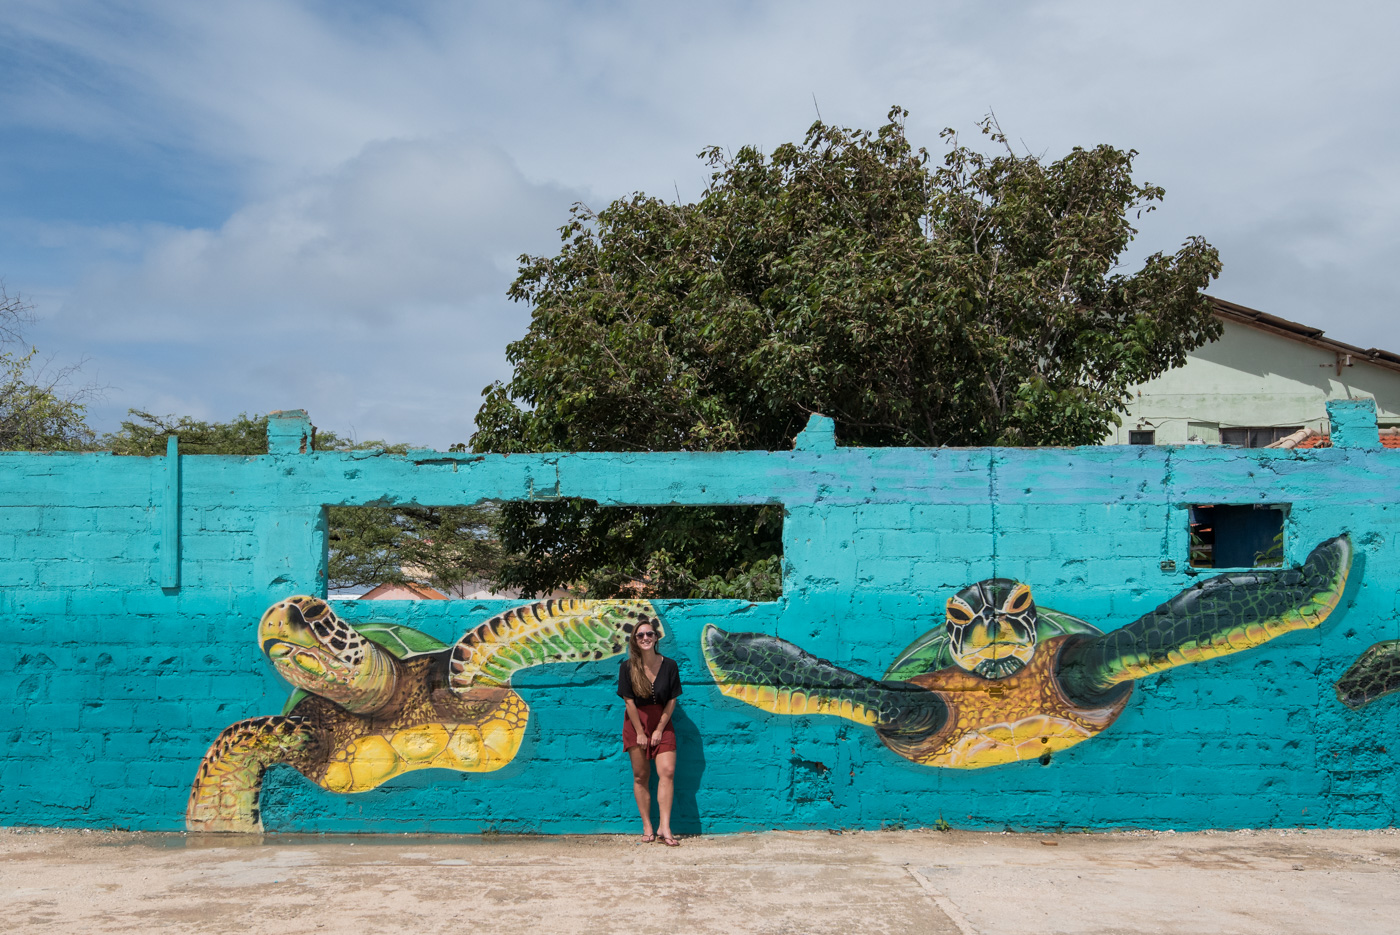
column 1253, row 377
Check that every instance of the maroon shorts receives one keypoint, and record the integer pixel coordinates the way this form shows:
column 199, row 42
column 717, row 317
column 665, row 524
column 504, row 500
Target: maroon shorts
column 651, row 716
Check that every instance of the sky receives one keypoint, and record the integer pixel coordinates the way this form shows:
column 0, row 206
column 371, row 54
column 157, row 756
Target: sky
column 273, row 204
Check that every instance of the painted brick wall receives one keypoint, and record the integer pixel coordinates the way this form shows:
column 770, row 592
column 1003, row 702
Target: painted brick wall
column 113, row 686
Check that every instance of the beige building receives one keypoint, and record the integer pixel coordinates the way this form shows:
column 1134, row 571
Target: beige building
column 1265, row 378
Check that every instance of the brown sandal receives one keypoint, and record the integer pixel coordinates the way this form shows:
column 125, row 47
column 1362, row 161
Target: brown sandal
column 670, row 842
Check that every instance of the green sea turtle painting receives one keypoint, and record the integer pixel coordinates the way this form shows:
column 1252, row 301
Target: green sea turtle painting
column 1002, row 680
column 376, row 700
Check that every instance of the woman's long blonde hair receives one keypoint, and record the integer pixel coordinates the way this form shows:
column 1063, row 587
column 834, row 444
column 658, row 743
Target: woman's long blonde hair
column 641, row 685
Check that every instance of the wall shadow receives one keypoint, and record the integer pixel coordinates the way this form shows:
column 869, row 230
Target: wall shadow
column 690, row 770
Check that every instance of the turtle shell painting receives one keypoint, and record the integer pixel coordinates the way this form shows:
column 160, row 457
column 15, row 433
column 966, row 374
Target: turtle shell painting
column 377, row 700
column 1003, row 680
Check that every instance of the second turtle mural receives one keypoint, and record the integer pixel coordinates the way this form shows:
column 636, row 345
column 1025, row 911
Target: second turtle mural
column 1003, row 680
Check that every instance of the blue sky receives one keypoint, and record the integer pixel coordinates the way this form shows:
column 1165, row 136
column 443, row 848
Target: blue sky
column 278, row 204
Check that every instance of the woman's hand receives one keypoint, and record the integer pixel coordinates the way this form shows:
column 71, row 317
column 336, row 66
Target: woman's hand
column 656, row 737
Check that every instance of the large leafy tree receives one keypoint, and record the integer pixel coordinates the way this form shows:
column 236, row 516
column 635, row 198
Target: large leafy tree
column 972, row 300
column 439, row 546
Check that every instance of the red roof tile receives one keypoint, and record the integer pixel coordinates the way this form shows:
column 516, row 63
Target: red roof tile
column 1390, row 438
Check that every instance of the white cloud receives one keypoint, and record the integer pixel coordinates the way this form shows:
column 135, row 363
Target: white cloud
column 352, row 289
column 405, row 222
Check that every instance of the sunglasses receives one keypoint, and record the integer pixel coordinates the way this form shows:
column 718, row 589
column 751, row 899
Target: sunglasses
column 646, row 635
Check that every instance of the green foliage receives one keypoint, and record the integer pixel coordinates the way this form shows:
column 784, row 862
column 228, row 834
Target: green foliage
column 973, row 301
column 439, row 546
column 145, row 434
column 1272, row 557
column 1201, row 552
column 759, row 580
column 369, row 545
column 641, row 551
column 40, row 409
column 36, row 414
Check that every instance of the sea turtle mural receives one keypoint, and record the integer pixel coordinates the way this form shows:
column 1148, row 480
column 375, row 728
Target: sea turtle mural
column 1003, row 680
column 1374, row 674
column 376, row 700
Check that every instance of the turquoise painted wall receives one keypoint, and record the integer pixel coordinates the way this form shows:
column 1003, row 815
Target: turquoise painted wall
column 112, row 686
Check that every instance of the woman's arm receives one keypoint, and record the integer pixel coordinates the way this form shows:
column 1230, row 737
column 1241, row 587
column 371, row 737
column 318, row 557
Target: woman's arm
column 636, row 720
column 661, row 724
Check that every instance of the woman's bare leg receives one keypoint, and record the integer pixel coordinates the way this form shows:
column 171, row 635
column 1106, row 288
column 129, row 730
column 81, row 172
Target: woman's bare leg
column 665, row 788
column 641, row 775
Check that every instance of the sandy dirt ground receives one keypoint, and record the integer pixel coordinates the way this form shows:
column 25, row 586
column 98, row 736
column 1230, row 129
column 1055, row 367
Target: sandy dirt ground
column 803, row 883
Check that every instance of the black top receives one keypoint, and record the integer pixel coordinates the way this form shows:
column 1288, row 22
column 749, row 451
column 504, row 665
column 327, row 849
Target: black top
column 666, row 686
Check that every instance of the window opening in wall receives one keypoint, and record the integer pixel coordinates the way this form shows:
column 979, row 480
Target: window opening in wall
column 1142, row 437
column 557, row 548
column 1256, row 436
column 412, row 551
column 1207, row 433
column 1229, row 535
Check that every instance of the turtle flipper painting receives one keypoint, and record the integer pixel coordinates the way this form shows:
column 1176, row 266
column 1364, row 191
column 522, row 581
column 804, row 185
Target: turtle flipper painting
column 377, row 700
column 1374, row 674
column 1003, row 680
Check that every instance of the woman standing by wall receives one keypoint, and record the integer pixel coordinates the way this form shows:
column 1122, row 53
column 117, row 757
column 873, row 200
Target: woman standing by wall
column 650, row 683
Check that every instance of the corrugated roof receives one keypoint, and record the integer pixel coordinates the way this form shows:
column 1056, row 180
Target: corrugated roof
column 1307, row 334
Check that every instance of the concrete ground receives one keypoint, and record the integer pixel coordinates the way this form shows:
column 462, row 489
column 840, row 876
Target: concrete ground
column 804, row 883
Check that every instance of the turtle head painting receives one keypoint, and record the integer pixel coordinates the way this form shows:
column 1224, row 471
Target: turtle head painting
column 1003, row 680
column 321, row 654
column 992, row 627
column 376, row 700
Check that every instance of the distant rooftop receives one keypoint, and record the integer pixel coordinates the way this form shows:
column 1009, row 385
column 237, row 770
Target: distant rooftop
column 1299, row 332
column 1311, row 438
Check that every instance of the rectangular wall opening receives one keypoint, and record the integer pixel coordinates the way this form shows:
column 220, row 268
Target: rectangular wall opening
column 554, row 548
column 1230, row 535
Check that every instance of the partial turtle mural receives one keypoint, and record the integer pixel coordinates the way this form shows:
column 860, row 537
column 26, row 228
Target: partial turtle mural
column 1003, row 680
column 378, row 700
column 1374, row 674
